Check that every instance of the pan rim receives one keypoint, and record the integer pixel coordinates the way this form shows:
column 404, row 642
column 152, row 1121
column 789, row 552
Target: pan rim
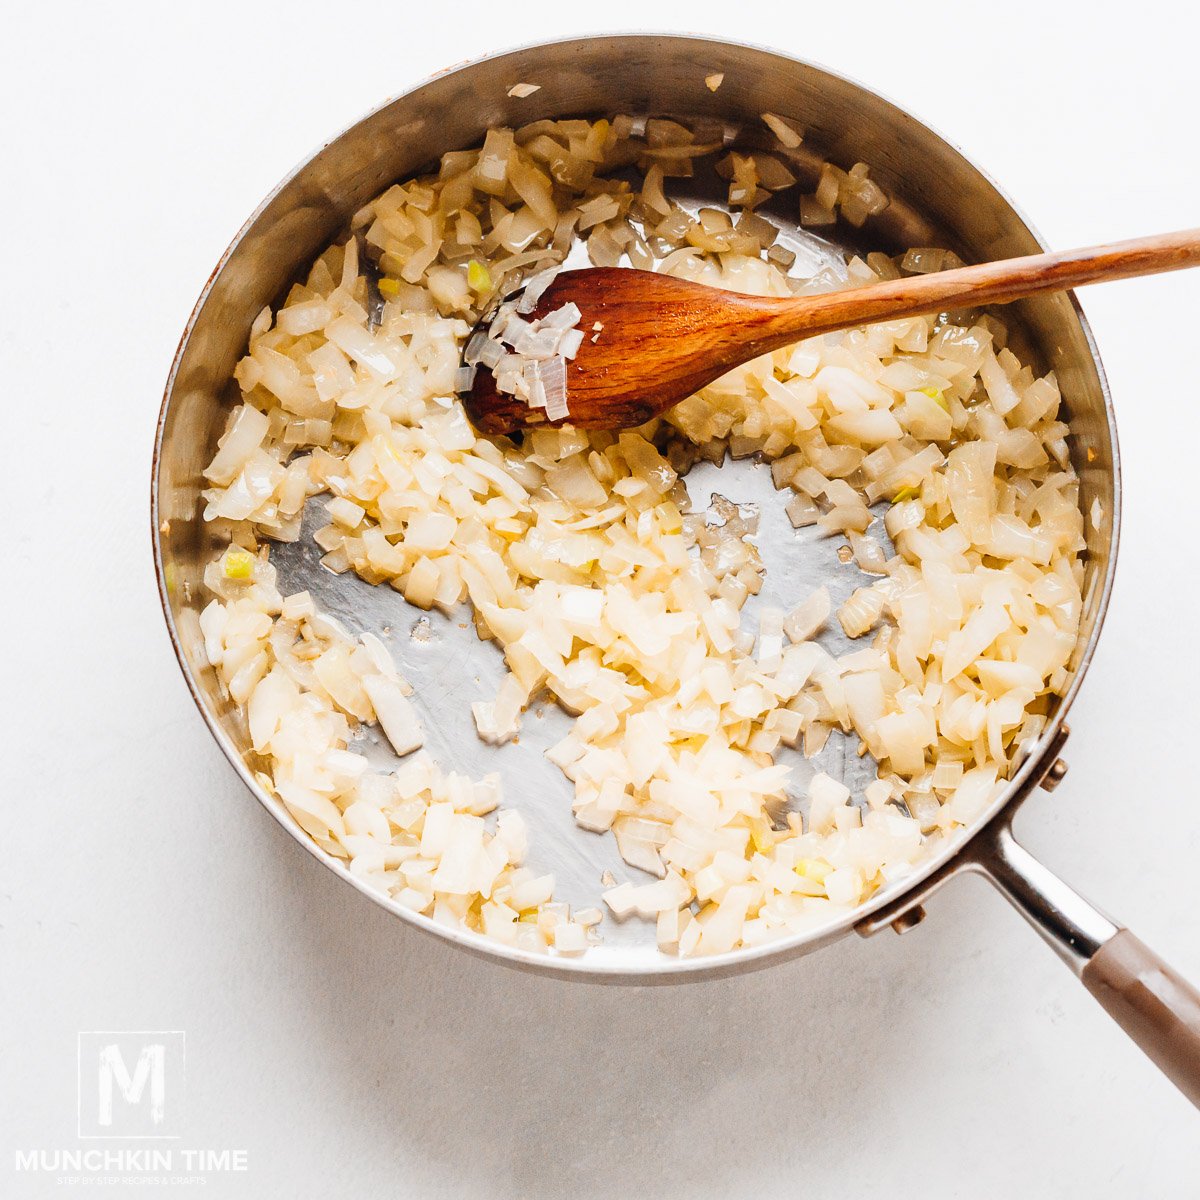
column 663, row 968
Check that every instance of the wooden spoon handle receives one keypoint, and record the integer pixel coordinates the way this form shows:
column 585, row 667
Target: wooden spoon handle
column 988, row 283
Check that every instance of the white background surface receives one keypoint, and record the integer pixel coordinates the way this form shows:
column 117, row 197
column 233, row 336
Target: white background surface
column 142, row 888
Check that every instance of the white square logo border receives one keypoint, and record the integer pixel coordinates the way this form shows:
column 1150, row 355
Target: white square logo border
column 130, row 1084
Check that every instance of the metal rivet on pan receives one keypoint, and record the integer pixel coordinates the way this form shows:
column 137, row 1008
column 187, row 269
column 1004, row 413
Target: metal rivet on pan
column 909, row 919
column 1055, row 775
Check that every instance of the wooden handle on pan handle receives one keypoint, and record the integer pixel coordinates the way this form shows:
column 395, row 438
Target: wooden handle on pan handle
column 1155, row 1006
column 1158, row 1008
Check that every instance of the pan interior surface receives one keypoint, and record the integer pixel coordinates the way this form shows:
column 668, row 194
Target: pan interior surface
column 938, row 199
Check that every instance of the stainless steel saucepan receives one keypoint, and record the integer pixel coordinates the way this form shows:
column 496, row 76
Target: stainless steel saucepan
column 938, row 198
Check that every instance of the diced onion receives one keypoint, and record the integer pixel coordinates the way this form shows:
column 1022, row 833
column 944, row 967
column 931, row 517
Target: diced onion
column 604, row 586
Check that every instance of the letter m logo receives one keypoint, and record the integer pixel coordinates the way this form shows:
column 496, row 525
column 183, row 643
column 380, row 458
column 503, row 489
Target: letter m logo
column 130, row 1083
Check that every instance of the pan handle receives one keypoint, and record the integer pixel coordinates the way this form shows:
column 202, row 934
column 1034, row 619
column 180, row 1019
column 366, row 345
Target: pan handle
column 1155, row 1006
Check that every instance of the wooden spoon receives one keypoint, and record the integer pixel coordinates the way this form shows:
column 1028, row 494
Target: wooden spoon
column 662, row 339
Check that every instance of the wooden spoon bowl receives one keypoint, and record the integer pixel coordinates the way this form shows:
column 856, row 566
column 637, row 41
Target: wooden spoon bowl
column 661, row 339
